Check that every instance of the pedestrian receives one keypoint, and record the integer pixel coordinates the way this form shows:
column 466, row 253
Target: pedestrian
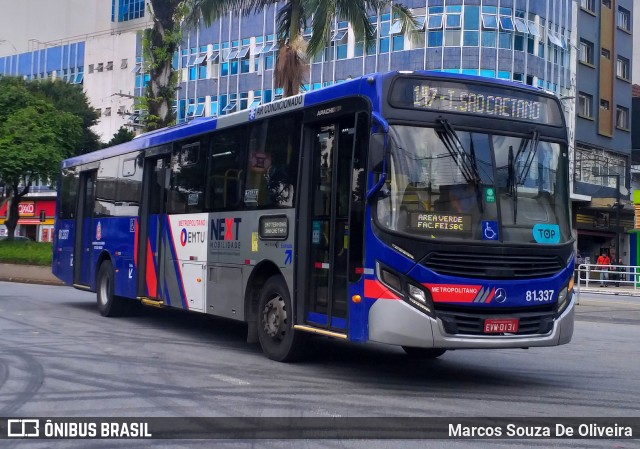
column 576, row 271
column 603, row 264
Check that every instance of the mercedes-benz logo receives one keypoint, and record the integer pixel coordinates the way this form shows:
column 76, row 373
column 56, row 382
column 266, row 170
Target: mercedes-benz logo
column 501, row 295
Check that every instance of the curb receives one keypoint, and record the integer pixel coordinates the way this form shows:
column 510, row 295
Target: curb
column 28, row 274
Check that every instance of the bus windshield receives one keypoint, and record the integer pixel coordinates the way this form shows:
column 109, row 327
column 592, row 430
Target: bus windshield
column 446, row 184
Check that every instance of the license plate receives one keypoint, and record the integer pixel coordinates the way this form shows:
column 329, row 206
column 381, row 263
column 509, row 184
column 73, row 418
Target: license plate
column 499, row 326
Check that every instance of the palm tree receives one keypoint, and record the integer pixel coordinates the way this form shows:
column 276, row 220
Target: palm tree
column 162, row 40
column 291, row 67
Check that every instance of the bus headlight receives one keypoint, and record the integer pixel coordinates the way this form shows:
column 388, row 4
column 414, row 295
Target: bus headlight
column 418, row 297
column 415, row 296
column 563, row 298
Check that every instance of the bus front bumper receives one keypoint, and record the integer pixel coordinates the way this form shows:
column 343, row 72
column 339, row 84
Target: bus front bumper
column 397, row 323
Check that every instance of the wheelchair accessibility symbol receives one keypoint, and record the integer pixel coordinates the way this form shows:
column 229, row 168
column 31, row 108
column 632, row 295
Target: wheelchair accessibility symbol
column 489, row 230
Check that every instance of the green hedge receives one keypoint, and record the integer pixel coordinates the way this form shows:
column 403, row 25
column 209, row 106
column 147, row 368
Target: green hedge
column 27, row 253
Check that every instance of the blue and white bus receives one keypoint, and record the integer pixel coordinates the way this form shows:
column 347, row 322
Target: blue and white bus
column 419, row 209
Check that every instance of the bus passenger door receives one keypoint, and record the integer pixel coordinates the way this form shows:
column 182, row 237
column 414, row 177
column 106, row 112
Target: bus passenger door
column 83, row 269
column 327, row 293
column 152, row 213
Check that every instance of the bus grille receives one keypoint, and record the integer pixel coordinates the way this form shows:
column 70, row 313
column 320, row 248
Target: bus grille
column 493, row 266
column 471, row 322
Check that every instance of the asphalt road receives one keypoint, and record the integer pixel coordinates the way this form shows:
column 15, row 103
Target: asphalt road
column 59, row 357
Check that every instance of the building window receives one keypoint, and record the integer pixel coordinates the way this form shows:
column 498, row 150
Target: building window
column 90, row 68
column 454, row 21
column 605, row 53
column 213, row 109
column 109, row 65
column 340, row 40
column 606, row 3
column 624, row 19
column 599, row 167
column 385, row 27
column 130, row 9
column 604, row 104
column 107, row 112
column 586, row 51
column 245, row 60
column 100, row 67
column 622, row 117
column 622, row 68
column 452, row 38
column 124, row 63
column 434, row 22
column 585, row 105
column 435, row 39
column 589, row 5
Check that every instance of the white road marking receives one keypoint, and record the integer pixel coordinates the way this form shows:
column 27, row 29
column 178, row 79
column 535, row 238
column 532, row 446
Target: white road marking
column 230, row 380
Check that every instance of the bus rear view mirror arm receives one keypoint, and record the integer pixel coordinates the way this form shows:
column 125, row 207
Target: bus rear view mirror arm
column 383, row 177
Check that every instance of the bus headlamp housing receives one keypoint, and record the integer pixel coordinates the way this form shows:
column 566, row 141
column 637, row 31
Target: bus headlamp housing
column 420, row 299
column 564, row 296
column 412, row 294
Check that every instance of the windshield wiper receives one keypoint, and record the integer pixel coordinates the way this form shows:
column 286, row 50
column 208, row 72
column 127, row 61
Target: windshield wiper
column 466, row 162
column 454, row 146
column 531, row 146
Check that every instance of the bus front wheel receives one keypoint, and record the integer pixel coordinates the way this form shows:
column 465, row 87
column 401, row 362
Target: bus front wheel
column 423, row 353
column 108, row 304
column 277, row 337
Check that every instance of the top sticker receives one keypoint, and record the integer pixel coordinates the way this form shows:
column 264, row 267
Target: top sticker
column 548, row 234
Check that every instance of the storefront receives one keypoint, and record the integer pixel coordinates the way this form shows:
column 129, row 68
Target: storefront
column 36, row 218
column 597, row 232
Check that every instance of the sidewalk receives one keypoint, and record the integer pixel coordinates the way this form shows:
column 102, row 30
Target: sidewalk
column 28, row 274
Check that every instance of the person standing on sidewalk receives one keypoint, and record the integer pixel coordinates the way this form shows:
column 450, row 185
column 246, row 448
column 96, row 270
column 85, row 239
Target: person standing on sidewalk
column 603, row 264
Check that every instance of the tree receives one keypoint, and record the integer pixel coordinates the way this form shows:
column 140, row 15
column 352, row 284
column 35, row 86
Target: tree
column 121, row 136
column 35, row 137
column 70, row 98
column 159, row 44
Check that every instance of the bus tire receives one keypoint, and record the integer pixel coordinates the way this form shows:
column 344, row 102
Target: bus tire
column 108, row 304
column 423, row 353
column 279, row 341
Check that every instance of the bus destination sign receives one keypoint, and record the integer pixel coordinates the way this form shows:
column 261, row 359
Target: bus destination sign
column 471, row 98
column 440, row 223
column 274, row 227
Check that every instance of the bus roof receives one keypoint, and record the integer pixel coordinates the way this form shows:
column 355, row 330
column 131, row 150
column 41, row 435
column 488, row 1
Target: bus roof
column 202, row 125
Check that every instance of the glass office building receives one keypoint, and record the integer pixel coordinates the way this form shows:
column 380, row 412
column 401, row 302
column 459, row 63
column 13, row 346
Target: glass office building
column 229, row 66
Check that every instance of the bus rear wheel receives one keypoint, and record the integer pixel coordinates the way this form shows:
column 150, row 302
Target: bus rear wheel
column 423, row 353
column 279, row 341
column 108, row 304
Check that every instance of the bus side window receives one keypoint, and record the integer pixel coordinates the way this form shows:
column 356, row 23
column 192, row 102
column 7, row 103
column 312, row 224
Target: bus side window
column 106, row 183
column 188, row 169
column 273, row 162
column 226, row 170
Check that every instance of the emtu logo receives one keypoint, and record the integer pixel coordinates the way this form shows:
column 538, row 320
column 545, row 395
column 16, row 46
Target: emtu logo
column 183, row 237
column 192, row 237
